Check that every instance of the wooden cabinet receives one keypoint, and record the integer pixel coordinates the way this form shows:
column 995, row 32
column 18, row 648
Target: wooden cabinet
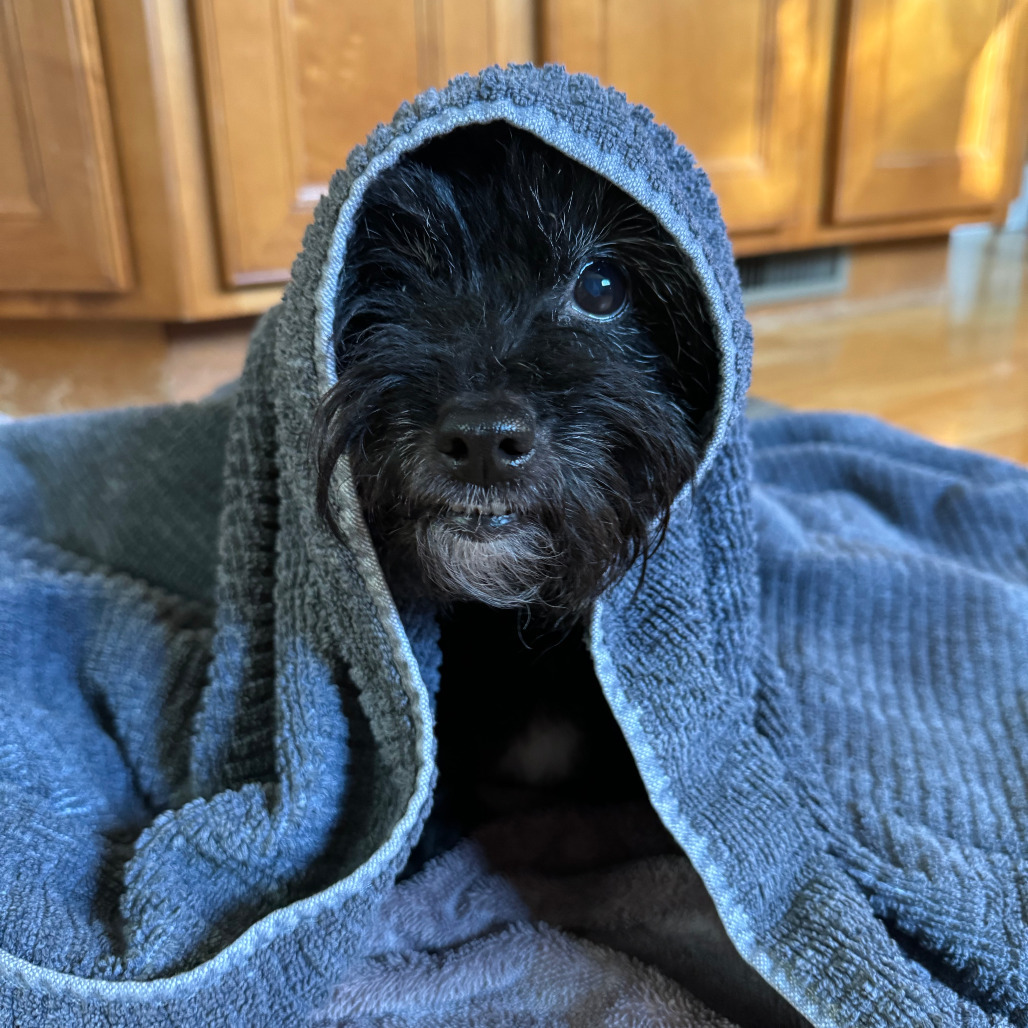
column 927, row 125
column 159, row 159
column 737, row 79
column 228, row 118
column 61, row 218
column 822, row 121
column 292, row 85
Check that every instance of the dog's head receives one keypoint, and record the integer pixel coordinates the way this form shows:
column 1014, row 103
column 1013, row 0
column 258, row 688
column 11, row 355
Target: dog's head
column 524, row 369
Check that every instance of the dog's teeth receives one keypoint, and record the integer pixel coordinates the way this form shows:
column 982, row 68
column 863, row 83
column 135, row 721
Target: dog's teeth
column 493, row 510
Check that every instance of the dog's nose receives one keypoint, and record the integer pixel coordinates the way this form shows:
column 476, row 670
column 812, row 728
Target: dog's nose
column 485, row 442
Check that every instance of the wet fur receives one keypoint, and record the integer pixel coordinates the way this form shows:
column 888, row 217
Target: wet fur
column 457, row 281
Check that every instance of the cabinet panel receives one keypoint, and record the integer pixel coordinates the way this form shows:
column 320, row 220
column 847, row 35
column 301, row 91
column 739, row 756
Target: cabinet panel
column 292, row 85
column 929, row 107
column 60, row 209
column 734, row 79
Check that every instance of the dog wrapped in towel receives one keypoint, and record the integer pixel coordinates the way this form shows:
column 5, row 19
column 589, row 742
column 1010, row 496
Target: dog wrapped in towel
column 217, row 751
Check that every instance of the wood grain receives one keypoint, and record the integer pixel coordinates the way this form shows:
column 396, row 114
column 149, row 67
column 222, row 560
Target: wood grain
column 60, row 198
column 755, row 90
column 736, row 80
column 291, row 87
column 949, row 363
column 211, row 230
column 150, row 67
column 931, row 107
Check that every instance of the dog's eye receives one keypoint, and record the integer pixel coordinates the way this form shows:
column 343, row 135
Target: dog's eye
column 601, row 290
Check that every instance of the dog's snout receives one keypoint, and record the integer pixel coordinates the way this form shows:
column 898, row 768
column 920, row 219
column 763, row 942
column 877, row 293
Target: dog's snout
column 486, row 442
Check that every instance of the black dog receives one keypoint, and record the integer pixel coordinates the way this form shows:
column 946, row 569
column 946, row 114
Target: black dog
column 525, row 369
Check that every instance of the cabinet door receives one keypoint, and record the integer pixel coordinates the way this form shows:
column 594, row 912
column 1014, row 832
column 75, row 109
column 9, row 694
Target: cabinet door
column 734, row 79
column 929, row 107
column 292, row 85
column 61, row 223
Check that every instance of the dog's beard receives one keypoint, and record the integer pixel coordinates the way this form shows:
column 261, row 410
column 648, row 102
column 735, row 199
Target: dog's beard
column 506, row 566
column 524, row 563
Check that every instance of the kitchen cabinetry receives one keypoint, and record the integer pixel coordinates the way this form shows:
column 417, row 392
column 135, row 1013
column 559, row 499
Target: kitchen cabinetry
column 929, row 118
column 61, row 220
column 160, row 158
column 737, row 80
column 297, row 84
column 823, row 122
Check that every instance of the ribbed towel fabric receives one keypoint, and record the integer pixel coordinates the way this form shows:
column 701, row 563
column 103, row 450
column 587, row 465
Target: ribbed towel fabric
column 216, row 748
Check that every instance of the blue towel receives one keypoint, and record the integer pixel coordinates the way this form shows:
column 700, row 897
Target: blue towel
column 216, row 749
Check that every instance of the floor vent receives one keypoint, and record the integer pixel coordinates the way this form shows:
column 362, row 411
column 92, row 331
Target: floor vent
column 805, row 274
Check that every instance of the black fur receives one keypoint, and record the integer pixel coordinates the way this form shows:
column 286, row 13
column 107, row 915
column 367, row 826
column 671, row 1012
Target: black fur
column 458, row 282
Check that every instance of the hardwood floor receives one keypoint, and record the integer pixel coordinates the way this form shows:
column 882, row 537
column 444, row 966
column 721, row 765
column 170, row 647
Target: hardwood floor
column 953, row 366
column 939, row 347
column 56, row 367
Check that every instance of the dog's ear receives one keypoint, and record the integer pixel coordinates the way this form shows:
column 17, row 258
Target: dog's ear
column 326, row 447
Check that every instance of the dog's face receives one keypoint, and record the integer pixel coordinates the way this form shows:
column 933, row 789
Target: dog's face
column 523, row 362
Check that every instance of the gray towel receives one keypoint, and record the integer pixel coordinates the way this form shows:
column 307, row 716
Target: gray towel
column 216, row 749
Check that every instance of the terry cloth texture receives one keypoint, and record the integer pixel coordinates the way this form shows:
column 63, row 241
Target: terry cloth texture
column 216, row 729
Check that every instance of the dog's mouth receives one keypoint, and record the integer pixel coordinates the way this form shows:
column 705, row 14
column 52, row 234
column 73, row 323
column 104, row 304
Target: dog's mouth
column 492, row 509
column 482, row 520
column 479, row 521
